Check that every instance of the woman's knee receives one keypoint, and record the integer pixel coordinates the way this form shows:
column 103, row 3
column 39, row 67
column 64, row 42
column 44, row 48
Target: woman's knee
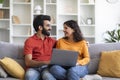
column 56, row 69
column 80, row 71
column 58, row 72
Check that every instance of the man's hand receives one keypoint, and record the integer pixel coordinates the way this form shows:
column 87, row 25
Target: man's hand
column 47, row 62
column 32, row 63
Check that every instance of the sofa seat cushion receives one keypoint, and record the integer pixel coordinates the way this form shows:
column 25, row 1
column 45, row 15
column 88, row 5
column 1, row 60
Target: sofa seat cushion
column 9, row 78
column 109, row 64
column 109, row 78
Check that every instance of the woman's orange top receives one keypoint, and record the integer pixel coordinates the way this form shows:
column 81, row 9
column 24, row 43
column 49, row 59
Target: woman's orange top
column 80, row 47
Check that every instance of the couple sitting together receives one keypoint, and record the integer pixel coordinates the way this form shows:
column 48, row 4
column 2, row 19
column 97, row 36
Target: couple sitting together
column 38, row 51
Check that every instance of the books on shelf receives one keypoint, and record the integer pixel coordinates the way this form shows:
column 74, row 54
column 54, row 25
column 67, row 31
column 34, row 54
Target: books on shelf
column 1, row 14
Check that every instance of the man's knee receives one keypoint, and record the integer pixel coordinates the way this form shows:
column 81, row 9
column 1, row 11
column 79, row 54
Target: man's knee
column 32, row 74
column 46, row 75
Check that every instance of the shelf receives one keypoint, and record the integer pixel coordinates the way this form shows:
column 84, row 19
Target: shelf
column 21, row 36
column 53, row 24
column 69, row 14
column 89, row 36
column 86, row 25
column 5, row 8
column 21, row 24
column 51, row 1
column 37, row 14
column 87, row 4
column 4, row 29
column 51, row 4
column 4, row 19
column 53, row 36
column 59, row 10
column 21, row 3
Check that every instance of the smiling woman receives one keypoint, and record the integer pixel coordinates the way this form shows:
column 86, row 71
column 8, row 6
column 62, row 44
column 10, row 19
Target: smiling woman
column 112, row 1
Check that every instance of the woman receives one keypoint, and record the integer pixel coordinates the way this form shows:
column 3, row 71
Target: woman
column 73, row 40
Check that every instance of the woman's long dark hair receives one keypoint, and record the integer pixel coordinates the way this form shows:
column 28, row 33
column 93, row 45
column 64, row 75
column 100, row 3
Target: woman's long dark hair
column 77, row 34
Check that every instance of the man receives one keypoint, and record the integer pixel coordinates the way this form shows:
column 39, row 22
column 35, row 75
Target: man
column 38, row 49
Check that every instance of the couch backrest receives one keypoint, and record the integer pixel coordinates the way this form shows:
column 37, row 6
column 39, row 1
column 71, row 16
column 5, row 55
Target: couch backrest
column 14, row 51
column 95, row 50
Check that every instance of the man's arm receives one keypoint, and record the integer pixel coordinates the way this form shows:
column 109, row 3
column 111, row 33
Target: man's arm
column 32, row 63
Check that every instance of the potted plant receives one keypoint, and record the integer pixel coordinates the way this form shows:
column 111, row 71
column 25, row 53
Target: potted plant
column 113, row 36
column 1, row 3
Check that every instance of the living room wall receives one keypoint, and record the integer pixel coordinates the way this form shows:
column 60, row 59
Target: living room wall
column 107, row 18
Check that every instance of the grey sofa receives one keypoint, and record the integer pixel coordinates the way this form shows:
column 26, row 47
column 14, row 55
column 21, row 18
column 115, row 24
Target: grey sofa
column 16, row 52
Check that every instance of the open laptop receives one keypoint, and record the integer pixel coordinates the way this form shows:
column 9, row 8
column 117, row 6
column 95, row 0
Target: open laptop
column 64, row 57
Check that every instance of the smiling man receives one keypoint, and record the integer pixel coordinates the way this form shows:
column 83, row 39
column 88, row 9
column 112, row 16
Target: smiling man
column 38, row 49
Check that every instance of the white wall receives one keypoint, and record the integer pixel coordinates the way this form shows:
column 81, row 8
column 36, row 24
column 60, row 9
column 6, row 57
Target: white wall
column 107, row 18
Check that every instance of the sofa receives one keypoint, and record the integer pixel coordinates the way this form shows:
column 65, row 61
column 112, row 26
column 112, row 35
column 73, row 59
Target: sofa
column 15, row 51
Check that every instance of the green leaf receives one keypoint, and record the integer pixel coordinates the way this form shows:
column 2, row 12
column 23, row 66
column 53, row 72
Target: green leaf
column 113, row 36
column 1, row 1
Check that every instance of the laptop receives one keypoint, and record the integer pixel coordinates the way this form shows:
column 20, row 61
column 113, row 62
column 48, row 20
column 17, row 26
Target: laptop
column 64, row 57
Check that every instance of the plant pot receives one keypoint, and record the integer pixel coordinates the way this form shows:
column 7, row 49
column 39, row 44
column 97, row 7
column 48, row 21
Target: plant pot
column 1, row 5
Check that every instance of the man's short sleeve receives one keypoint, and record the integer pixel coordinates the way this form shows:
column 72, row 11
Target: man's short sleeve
column 28, row 47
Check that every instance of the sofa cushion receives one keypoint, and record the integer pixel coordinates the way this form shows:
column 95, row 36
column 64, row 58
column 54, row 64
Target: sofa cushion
column 9, row 78
column 109, row 64
column 3, row 74
column 109, row 78
column 12, row 67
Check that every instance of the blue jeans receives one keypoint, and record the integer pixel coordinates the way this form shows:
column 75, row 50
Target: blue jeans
column 37, row 74
column 72, row 73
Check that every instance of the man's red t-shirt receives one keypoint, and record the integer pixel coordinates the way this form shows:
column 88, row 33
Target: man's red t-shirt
column 40, row 49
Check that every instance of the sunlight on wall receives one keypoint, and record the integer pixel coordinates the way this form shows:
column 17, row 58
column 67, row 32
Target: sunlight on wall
column 107, row 18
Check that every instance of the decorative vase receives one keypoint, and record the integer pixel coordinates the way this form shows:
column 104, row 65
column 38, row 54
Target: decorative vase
column 38, row 9
column 89, row 21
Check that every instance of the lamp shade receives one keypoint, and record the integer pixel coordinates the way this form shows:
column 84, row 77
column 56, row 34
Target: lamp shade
column 38, row 7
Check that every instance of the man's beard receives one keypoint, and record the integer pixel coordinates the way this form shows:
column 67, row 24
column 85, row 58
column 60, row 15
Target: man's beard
column 45, row 32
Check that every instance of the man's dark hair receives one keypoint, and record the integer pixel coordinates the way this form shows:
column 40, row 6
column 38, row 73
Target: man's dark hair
column 77, row 34
column 39, row 21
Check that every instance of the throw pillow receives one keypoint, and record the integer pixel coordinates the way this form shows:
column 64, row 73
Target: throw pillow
column 3, row 74
column 109, row 64
column 12, row 67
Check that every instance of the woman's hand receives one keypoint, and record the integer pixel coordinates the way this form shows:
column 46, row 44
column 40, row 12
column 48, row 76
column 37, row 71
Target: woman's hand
column 77, row 64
